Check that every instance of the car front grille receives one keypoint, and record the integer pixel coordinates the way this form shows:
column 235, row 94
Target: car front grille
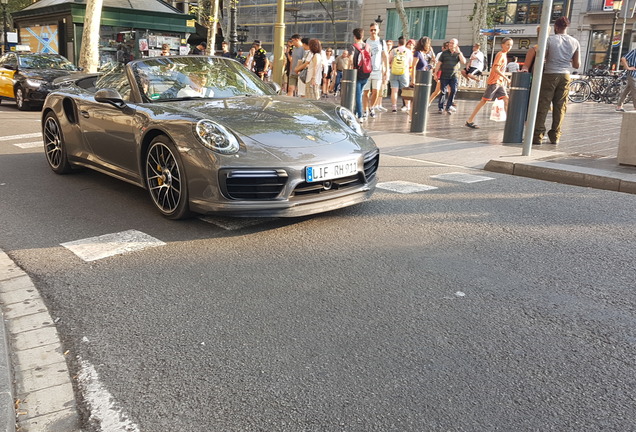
column 371, row 164
column 252, row 184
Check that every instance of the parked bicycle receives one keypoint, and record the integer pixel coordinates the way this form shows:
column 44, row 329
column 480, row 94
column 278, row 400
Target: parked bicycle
column 599, row 86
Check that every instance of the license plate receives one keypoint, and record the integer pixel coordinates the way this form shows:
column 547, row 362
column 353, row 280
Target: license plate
column 331, row 171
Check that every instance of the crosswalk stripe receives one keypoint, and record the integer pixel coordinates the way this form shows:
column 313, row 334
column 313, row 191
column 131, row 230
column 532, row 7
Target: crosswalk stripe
column 461, row 177
column 405, row 187
column 107, row 245
column 32, row 144
column 23, row 136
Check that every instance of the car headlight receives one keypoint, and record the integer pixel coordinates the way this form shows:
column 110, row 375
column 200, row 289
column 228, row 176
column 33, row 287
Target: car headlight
column 216, row 137
column 350, row 120
column 35, row 82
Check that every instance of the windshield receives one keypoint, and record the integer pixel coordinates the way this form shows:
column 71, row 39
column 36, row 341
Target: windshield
column 46, row 61
column 187, row 77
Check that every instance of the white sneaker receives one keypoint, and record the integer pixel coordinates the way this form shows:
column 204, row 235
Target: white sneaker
column 405, row 108
column 380, row 108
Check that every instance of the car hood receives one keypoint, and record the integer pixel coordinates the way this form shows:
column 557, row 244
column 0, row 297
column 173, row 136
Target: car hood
column 276, row 121
column 46, row 74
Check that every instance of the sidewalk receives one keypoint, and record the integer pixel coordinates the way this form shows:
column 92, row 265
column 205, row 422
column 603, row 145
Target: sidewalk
column 585, row 156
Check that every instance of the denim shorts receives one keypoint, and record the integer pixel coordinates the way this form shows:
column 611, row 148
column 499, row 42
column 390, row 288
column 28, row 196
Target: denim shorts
column 399, row 81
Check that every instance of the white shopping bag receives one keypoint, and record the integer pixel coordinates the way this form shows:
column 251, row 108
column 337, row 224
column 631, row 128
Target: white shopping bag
column 498, row 112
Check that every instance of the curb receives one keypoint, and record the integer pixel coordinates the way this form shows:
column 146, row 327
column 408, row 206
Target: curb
column 566, row 174
column 7, row 410
column 42, row 391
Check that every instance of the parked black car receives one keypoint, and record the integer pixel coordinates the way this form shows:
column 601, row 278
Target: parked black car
column 28, row 77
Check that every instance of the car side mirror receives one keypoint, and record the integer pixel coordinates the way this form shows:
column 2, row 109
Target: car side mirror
column 110, row 96
column 275, row 86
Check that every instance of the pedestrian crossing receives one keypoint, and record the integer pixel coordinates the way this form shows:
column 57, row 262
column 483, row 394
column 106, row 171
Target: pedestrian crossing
column 108, row 245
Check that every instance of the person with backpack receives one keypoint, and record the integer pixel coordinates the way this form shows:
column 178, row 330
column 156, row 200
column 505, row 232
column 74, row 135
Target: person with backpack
column 372, row 96
column 362, row 63
column 400, row 61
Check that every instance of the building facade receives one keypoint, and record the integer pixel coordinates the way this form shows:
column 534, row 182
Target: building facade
column 591, row 23
column 129, row 29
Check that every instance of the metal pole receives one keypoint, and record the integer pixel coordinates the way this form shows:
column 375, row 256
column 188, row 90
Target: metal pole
column 233, row 38
column 620, row 48
column 611, row 39
column 537, row 77
column 517, row 107
column 348, row 89
column 422, row 92
column 279, row 43
column 5, row 26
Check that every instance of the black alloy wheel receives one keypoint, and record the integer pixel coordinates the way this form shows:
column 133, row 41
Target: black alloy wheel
column 54, row 146
column 165, row 179
column 19, row 99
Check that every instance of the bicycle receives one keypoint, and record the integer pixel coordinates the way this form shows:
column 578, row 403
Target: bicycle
column 598, row 86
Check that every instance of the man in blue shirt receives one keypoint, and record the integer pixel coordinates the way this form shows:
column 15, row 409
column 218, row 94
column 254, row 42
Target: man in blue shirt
column 629, row 64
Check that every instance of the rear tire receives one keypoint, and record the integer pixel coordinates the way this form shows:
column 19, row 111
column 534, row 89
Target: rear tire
column 54, row 145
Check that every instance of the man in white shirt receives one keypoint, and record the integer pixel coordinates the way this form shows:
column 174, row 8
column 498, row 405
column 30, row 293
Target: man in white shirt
column 513, row 66
column 379, row 61
column 475, row 64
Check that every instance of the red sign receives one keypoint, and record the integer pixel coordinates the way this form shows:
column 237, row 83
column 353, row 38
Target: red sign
column 608, row 5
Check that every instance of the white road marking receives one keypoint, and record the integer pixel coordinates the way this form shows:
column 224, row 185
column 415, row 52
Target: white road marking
column 101, row 403
column 462, row 177
column 23, row 136
column 405, row 187
column 232, row 224
column 28, row 145
column 104, row 246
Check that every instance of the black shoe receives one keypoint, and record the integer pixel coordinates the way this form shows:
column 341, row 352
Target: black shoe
column 472, row 125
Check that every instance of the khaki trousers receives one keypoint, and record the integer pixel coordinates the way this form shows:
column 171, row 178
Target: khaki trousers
column 554, row 90
column 631, row 88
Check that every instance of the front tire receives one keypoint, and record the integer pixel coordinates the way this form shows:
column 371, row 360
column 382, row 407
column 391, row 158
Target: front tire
column 54, row 145
column 579, row 91
column 19, row 99
column 165, row 179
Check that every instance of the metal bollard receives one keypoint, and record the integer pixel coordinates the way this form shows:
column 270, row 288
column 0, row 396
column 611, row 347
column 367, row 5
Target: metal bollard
column 348, row 89
column 517, row 107
column 420, row 100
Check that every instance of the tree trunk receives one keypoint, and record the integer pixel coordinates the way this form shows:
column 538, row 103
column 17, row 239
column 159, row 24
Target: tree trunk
column 399, row 7
column 480, row 21
column 214, row 19
column 89, row 52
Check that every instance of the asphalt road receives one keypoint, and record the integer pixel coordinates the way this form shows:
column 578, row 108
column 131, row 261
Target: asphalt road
column 505, row 304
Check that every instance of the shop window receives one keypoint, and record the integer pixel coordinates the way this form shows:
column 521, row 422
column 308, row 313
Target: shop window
column 426, row 21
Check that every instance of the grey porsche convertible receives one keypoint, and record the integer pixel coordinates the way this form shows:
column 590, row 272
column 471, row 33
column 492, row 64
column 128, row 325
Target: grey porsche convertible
column 205, row 135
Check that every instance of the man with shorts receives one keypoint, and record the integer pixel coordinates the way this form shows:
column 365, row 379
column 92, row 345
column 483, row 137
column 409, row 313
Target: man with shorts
column 475, row 64
column 400, row 61
column 294, row 57
column 497, row 81
column 379, row 61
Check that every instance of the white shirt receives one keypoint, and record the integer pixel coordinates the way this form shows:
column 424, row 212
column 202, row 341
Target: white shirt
column 477, row 60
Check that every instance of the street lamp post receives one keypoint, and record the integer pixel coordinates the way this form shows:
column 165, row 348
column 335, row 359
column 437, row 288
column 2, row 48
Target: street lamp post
column 617, row 10
column 5, row 25
column 378, row 20
column 233, row 39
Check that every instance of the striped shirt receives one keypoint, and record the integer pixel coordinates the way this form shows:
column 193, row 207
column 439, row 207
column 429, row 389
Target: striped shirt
column 631, row 61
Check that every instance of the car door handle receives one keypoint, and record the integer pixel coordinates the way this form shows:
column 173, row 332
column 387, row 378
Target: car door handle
column 85, row 114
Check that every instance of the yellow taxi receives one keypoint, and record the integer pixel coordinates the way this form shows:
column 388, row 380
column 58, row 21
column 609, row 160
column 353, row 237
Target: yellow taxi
column 27, row 78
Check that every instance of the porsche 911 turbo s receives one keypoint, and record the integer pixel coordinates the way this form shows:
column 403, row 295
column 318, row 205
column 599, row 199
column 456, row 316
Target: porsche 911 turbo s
column 205, row 135
column 28, row 77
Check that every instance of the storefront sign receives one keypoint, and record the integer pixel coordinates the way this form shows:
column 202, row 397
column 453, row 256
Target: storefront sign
column 520, row 30
column 608, row 5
